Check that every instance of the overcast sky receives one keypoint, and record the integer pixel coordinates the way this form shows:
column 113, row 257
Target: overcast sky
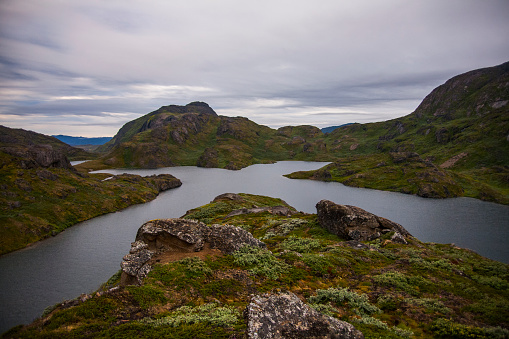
column 85, row 68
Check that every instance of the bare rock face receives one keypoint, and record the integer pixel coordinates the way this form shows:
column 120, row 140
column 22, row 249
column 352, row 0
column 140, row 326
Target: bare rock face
column 160, row 236
column 286, row 316
column 354, row 223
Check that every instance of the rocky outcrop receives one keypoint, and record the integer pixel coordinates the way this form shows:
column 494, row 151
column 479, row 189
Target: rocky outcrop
column 36, row 156
column 276, row 210
column 209, row 158
column 286, row 316
column 158, row 237
column 354, row 223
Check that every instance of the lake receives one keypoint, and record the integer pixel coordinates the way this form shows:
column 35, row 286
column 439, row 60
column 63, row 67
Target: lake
column 86, row 255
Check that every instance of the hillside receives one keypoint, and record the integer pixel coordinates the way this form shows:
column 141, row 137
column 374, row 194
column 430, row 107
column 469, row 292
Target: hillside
column 42, row 194
column 456, row 143
column 22, row 143
column 195, row 135
column 252, row 266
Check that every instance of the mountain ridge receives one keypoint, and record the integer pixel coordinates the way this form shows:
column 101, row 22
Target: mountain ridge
column 456, row 143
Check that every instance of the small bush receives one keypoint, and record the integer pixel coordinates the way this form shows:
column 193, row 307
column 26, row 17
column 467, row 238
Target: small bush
column 259, row 261
column 359, row 303
column 495, row 282
column 209, row 313
column 430, row 304
column 443, row 328
column 410, row 284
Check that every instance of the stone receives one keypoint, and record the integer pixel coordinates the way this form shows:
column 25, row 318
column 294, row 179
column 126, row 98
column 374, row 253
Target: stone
column 284, row 315
column 354, row 223
column 228, row 238
column 228, row 196
column 157, row 237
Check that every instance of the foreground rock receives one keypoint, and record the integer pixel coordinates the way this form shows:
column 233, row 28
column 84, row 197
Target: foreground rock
column 162, row 236
column 286, row 316
column 354, row 223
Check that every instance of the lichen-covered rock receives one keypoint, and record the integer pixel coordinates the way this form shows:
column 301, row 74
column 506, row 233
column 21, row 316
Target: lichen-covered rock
column 286, row 316
column 351, row 222
column 160, row 236
column 173, row 234
column 228, row 238
column 134, row 265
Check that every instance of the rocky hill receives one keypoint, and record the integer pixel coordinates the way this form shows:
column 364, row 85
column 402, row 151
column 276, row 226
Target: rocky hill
column 42, row 194
column 195, row 135
column 456, row 143
column 247, row 266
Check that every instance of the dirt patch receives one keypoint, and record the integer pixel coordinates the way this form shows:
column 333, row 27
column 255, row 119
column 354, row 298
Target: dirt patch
column 176, row 254
column 452, row 161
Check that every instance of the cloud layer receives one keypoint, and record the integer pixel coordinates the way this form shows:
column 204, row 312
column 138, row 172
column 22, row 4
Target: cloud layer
column 87, row 67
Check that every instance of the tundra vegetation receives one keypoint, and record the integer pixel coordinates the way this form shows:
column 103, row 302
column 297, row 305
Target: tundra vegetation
column 384, row 288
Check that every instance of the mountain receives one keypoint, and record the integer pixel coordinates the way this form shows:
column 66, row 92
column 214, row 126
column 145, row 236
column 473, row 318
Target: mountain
column 231, row 270
column 78, row 141
column 195, row 135
column 454, row 144
column 42, row 194
column 35, row 146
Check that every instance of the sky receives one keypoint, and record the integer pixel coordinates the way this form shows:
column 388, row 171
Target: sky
column 85, row 68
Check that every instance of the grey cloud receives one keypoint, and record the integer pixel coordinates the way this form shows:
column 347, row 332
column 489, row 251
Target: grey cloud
column 283, row 62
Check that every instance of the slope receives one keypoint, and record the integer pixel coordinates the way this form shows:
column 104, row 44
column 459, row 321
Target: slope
column 386, row 287
column 455, row 143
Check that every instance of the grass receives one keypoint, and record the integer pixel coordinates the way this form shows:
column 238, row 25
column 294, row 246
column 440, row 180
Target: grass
column 389, row 291
column 38, row 203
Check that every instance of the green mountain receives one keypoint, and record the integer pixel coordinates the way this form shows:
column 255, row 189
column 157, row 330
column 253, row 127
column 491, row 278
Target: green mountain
column 195, row 135
column 247, row 266
column 456, row 143
column 42, row 194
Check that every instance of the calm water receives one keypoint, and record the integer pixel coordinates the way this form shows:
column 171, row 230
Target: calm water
column 86, row 255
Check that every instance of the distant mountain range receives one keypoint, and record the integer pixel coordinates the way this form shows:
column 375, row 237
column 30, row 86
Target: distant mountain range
column 78, row 141
column 332, row 128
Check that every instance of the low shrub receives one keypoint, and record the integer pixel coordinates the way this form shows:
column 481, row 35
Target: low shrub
column 259, row 261
column 209, row 313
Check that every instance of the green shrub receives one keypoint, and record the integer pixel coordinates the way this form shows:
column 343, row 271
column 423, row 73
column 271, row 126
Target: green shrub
column 430, row 304
column 259, row 261
column 359, row 303
column 443, row 328
column 209, row 313
column 495, row 282
column 410, row 284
